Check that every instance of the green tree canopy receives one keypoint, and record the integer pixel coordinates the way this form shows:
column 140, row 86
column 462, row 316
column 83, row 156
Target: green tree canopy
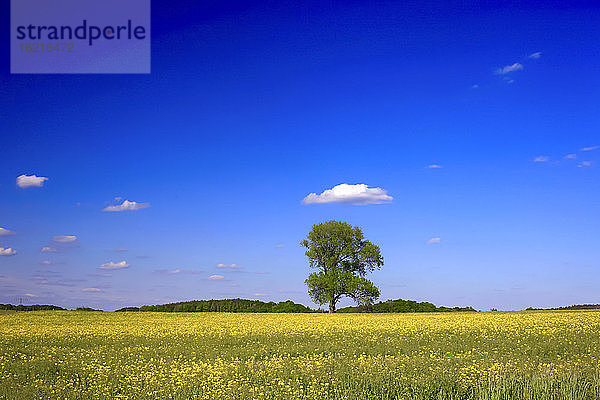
column 342, row 257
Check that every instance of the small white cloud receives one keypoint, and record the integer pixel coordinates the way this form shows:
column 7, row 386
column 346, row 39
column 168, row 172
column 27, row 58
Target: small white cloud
column 47, row 262
column 260, row 294
column 113, row 265
column 216, row 277
column 127, row 206
column 476, row 86
column 49, row 249
column 509, row 68
column 30, row 295
column 280, row 245
column 535, row 55
column 27, row 181
column 434, row 166
column 120, row 250
column 230, row 266
column 571, row 156
column 434, row 240
column 6, row 232
column 541, row 159
column 7, row 251
column 591, row 148
column 91, row 289
column 65, row 239
column 359, row 194
column 585, row 164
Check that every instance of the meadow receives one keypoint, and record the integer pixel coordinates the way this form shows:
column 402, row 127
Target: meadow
column 484, row 355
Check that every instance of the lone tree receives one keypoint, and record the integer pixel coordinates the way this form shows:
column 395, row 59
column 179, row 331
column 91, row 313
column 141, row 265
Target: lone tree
column 342, row 257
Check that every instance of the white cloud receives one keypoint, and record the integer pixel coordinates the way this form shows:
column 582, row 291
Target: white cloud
column 177, row 271
column 230, row 266
column 590, row 148
column 49, row 249
column 571, row 156
column 120, row 249
column 91, row 289
column 585, row 164
column 476, row 86
column 535, row 55
column 65, row 239
column 113, row 265
column 27, row 181
column 433, row 166
column 46, row 262
column 215, row 277
column 30, row 295
column 541, row 159
column 127, row 206
column 7, row 251
column 359, row 194
column 434, row 240
column 6, row 232
column 260, row 294
column 280, row 246
column 509, row 68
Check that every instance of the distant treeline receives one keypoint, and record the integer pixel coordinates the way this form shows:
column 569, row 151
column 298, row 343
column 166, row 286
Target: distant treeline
column 256, row 306
column 573, row 307
column 580, row 307
column 402, row 306
column 35, row 307
column 226, row 305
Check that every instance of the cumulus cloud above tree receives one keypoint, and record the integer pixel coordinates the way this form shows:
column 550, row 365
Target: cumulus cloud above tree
column 359, row 194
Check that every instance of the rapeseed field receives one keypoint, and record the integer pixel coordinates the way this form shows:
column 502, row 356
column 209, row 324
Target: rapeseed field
column 485, row 355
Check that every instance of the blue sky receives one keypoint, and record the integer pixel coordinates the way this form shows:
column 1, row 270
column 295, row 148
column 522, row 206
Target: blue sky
column 250, row 107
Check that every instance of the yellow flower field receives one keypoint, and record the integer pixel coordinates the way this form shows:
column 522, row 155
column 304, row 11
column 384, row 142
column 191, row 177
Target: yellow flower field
column 491, row 355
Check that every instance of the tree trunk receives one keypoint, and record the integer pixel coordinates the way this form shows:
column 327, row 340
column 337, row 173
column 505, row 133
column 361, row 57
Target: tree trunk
column 331, row 307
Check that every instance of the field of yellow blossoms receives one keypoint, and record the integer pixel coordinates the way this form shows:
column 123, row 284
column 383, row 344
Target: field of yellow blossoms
column 485, row 355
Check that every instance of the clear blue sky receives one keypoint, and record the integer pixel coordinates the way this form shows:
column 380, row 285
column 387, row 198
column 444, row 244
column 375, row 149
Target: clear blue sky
column 251, row 107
